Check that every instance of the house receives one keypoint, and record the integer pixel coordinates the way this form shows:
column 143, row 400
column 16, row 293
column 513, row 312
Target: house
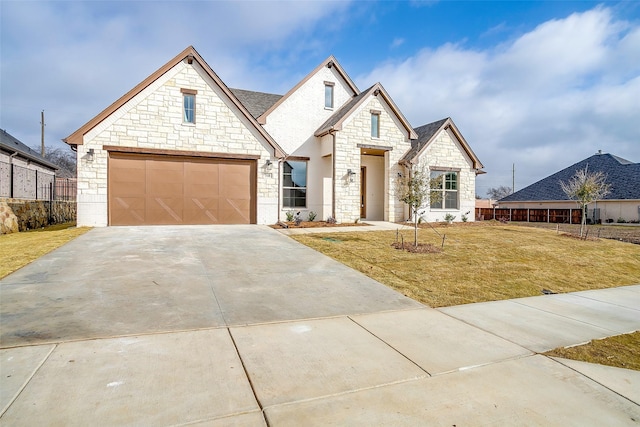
column 183, row 148
column 622, row 202
column 24, row 173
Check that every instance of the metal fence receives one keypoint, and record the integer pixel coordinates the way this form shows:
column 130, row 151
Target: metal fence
column 18, row 182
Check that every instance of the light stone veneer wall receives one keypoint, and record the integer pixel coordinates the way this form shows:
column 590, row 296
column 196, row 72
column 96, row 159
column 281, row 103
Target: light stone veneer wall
column 445, row 151
column 293, row 124
column 153, row 119
column 357, row 130
column 294, row 121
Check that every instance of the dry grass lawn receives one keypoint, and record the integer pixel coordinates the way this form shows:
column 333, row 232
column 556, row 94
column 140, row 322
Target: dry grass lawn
column 19, row 249
column 483, row 262
column 620, row 351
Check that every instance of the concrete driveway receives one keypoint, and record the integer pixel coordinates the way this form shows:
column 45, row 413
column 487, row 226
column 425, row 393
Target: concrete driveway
column 134, row 280
column 239, row 325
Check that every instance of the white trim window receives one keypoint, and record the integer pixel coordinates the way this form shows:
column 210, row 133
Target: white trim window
column 375, row 124
column 188, row 106
column 328, row 95
column 444, row 189
column 294, row 184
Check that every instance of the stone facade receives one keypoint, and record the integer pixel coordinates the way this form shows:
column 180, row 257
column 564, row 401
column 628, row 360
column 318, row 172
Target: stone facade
column 153, row 119
column 357, row 130
column 446, row 153
column 32, row 214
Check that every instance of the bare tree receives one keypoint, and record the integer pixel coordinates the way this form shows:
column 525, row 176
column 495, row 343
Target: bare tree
column 414, row 189
column 64, row 159
column 585, row 187
column 499, row 192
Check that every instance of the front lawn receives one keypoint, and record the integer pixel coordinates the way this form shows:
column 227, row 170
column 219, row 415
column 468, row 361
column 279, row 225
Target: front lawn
column 19, row 249
column 620, row 351
column 483, row 262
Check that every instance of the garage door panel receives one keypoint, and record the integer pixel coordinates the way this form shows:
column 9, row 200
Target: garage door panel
column 201, row 210
column 128, row 210
column 155, row 190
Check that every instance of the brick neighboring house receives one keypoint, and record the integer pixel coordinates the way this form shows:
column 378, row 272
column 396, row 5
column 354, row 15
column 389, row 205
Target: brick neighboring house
column 622, row 202
column 183, row 148
column 24, row 173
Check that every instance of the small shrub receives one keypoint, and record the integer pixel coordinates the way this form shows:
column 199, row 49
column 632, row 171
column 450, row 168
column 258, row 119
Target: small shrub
column 449, row 218
column 331, row 220
column 465, row 216
column 621, row 220
column 289, row 216
column 312, row 215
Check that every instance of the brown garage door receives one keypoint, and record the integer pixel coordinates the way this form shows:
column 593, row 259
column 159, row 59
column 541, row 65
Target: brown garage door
column 157, row 190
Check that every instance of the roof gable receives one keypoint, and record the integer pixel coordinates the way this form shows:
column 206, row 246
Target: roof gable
column 330, row 62
column 427, row 133
column 337, row 119
column 622, row 175
column 10, row 143
column 189, row 55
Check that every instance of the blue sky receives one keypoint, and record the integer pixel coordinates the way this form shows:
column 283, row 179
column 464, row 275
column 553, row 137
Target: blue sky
column 541, row 85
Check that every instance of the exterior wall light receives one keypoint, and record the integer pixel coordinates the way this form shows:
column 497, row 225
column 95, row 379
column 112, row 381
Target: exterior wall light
column 350, row 174
column 268, row 165
column 89, row 155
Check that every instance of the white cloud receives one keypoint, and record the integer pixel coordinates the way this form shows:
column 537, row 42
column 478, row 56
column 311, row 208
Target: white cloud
column 397, row 42
column 73, row 59
column 543, row 101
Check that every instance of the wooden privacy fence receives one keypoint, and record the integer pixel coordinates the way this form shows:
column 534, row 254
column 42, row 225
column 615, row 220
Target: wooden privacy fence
column 555, row 216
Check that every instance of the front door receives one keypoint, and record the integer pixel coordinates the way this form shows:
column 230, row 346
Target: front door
column 363, row 192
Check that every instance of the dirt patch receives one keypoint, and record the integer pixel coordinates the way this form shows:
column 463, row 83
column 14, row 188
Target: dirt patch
column 422, row 248
column 315, row 224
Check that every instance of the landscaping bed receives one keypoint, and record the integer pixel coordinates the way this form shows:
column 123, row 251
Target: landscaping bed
column 315, row 224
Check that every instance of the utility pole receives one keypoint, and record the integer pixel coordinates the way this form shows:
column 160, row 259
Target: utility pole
column 513, row 178
column 42, row 131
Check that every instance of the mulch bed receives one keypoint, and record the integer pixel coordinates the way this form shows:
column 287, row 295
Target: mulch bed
column 315, row 224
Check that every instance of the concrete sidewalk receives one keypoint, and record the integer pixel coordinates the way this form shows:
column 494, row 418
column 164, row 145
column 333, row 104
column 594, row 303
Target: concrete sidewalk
column 241, row 326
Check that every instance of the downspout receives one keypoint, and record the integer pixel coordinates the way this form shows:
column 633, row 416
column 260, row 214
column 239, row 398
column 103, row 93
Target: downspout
column 333, row 175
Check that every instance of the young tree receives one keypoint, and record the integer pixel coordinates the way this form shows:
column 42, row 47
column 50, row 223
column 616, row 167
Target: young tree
column 585, row 187
column 499, row 192
column 414, row 189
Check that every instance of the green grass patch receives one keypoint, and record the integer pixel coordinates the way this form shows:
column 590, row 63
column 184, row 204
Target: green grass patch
column 19, row 249
column 622, row 351
column 483, row 262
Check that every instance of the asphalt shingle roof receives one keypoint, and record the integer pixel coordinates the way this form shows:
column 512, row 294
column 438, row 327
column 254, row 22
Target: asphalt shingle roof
column 425, row 133
column 622, row 175
column 11, row 143
column 256, row 102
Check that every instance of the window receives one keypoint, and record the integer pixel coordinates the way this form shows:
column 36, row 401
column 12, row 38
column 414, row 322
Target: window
column 294, row 184
column 375, row 124
column 189, row 105
column 444, row 190
column 328, row 95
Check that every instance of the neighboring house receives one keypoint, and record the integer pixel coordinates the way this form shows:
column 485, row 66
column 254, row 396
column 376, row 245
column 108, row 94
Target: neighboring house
column 183, row 148
column 24, row 173
column 622, row 202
